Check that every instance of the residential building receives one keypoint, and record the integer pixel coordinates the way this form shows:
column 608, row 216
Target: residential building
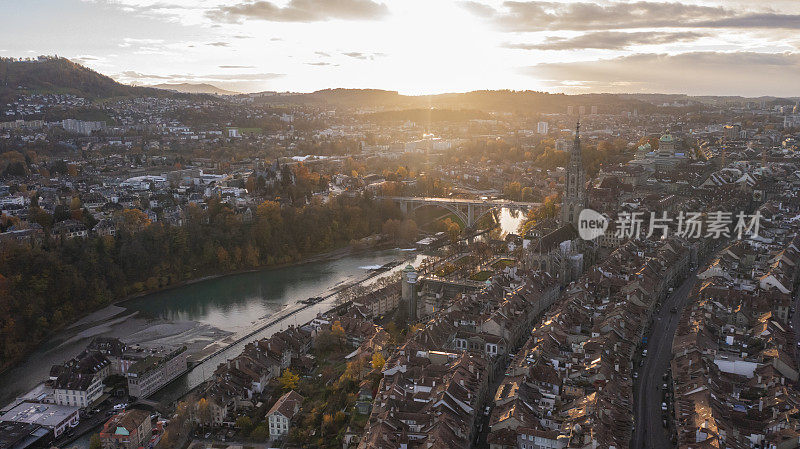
column 130, row 429
column 280, row 415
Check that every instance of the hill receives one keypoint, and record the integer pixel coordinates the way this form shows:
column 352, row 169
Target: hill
column 48, row 74
column 533, row 102
column 188, row 88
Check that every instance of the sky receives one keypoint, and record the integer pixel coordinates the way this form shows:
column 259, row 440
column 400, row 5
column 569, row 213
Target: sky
column 697, row 47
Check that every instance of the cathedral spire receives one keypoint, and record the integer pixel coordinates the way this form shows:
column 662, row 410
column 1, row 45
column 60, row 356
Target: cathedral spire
column 574, row 199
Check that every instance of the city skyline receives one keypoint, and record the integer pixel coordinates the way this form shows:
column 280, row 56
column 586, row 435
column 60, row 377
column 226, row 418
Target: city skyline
column 713, row 47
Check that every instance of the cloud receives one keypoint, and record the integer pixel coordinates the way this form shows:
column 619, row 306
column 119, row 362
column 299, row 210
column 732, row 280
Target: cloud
column 237, row 66
column 520, row 16
column 322, row 63
column 300, row 11
column 697, row 73
column 133, row 75
column 219, row 44
column 86, row 59
column 363, row 56
column 130, row 41
column 607, row 40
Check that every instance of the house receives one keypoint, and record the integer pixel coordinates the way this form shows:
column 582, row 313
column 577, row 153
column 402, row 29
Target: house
column 281, row 414
column 70, row 229
column 130, row 429
column 79, row 382
column 105, row 226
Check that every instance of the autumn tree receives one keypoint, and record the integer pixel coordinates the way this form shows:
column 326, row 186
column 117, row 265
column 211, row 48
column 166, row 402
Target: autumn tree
column 338, row 334
column 289, row 380
column 378, row 361
column 452, row 229
column 204, row 414
column 133, row 220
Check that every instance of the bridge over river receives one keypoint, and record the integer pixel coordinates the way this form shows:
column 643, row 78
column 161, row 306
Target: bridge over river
column 468, row 210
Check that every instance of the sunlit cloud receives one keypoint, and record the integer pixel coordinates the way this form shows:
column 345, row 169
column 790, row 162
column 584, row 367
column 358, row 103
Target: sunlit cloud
column 519, row 16
column 693, row 73
column 300, row 11
column 607, row 40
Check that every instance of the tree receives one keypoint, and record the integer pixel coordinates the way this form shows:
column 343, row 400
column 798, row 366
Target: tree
column 260, row 433
column 408, row 230
column 337, row 332
column 289, row 380
column 133, row 220
column 204, row 412
column 513, row 191
column 378, row 361
column 452, row 229
column 244, row 423
column 94, row 442
column 527, row 194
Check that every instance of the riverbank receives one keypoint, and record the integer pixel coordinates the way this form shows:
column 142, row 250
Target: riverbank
column 208, row 315
column 344, row 251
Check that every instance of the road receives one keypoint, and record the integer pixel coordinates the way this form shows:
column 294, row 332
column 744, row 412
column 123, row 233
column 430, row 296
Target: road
column 794, row 322
column 649, row 431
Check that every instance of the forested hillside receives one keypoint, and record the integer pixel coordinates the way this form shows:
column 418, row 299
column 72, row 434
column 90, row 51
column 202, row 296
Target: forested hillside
column 60, row 75
column 44, row 288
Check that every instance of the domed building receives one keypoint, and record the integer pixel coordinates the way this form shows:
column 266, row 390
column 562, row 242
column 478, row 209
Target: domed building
column 666, row 144
column 667, row 155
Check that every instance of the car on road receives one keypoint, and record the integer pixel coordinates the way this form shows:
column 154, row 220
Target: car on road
column 644, row 353
column 664, row 387
column 663, row 406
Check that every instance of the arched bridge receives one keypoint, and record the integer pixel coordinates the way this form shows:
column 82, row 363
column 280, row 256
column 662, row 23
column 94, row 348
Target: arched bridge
column 469, row 211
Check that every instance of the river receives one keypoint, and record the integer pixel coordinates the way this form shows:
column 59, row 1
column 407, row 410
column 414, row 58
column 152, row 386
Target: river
column 213, row 314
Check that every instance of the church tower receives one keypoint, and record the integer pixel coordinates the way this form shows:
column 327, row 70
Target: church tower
column 574, row 184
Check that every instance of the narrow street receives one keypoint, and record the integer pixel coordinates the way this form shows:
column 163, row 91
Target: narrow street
column 649, row 431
